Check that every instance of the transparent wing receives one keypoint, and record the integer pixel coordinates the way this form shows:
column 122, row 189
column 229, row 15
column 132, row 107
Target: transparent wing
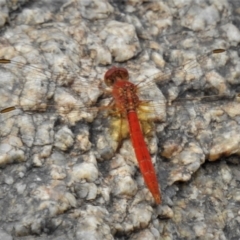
column 73, row 93
column 34, row 88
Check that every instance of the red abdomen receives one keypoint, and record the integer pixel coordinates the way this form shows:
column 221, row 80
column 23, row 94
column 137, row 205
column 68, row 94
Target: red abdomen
column 143, row 156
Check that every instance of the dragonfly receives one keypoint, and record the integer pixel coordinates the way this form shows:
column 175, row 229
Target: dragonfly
column 134, row 112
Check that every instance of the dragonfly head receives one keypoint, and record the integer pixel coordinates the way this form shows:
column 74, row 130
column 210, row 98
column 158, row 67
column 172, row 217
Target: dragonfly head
column 114, row 74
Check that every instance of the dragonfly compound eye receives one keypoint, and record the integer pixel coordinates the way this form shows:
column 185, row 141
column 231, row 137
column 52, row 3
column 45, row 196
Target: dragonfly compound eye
column 115, row 73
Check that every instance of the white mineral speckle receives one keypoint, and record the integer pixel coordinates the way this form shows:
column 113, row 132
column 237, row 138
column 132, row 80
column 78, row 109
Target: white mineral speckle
column 145, row 234
column 57, row 172
column 158, row 60
column 20, row 187
column 89, row 223
column 124, row 186
column 93, row 190
column 101, row 55
column 179, row 175
column 44, row 133
column 86, row 190
column 37, row 161
column 206, row 16
column 95, row 9
column 236, row 196
column 10, row 153
column 232, row 32
column 140, row 216
column 105, row 192
column 87, row 171
column 190, row 155
column 200, row 229
column 46, row 151
column 34, row 16
column 229, row 142
column 64, row 139
column 121, row 39
column 217, row 82
column 226, row 174
column 9, row 180
column 83, row 142
column 165, row 212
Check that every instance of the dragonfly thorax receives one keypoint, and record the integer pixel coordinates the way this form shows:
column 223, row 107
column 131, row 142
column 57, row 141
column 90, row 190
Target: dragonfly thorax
column 125, row 96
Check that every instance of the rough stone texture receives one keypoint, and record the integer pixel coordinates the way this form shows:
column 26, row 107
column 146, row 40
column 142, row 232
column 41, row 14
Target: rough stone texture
column 62, row 176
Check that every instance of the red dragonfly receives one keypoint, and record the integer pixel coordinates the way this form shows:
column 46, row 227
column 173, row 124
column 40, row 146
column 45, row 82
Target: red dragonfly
column 127, row 104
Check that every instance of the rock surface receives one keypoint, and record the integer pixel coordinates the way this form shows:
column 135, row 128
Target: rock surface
column 62, row 176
